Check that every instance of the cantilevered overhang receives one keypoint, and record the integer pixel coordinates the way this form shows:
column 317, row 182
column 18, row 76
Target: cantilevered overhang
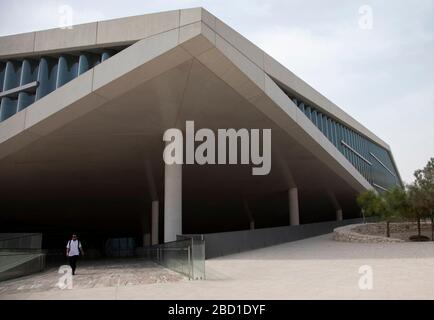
column 190, row 38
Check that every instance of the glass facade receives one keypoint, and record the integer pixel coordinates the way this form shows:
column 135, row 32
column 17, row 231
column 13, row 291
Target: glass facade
column 371, row 160
column 24, row 81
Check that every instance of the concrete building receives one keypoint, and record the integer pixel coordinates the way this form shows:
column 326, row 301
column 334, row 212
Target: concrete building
column 83, row 112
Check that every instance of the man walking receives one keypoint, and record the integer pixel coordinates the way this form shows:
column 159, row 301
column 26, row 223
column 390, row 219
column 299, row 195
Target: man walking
column 73, row 251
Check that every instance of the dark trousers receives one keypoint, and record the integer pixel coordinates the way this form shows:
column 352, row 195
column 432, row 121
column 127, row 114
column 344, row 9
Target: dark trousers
column 73, row 263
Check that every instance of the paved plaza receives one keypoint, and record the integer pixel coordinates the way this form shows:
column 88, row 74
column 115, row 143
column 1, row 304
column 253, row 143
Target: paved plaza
column 315, row 268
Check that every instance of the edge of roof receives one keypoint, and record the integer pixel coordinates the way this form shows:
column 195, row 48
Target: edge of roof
column 150, row 57
column 132, row 29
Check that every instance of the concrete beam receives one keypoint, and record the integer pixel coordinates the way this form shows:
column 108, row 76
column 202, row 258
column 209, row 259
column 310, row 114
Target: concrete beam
column 249, row 214
column 172, row 201
column 336, row 204
column 154, row 222
column 294, row 214
column 339, row 215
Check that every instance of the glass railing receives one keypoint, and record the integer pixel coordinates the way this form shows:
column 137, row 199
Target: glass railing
column 185, row 255
column 20, row 255
column 20, row 262
column 198, row 255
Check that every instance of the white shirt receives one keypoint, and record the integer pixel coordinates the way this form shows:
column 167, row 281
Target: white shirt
column 73, row 245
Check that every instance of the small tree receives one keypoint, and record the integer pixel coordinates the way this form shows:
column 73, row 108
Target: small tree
column 389, row 206
column 369, row 203
column 396, row 204
column 417, row 211
column 415, row 203
column 421, row 195
column 372, row 205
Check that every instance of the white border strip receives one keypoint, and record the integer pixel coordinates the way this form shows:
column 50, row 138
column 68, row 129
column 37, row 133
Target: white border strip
column 390, row 171
column 380, row 187
column 15, row 91
column 358, row 154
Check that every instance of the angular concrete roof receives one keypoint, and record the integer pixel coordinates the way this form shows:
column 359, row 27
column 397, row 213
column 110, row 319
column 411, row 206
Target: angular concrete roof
column 132, row 29
column 158, row 43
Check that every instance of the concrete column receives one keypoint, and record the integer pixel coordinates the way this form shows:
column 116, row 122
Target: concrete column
column 252, row 225
column 336, row 205
column 172, row 201
column 249, row 215
column 146, row 239
column 154, row 222
column 294, row 216
column 146, row 232
column 339, row 215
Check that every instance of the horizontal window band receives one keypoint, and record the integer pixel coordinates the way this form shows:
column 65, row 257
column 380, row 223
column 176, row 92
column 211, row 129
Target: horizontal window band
column 380, row 162
column 356, row 153
column 13, row 93
column 313, row 113
column 379, row 187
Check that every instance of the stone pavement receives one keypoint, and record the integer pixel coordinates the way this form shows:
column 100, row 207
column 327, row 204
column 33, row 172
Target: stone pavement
column 92, row 274
column 315, row 268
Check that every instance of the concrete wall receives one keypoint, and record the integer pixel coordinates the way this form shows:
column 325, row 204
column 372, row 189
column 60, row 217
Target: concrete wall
column 225, row 243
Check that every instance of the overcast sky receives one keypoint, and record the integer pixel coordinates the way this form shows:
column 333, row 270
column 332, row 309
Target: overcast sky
column 383, row 76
